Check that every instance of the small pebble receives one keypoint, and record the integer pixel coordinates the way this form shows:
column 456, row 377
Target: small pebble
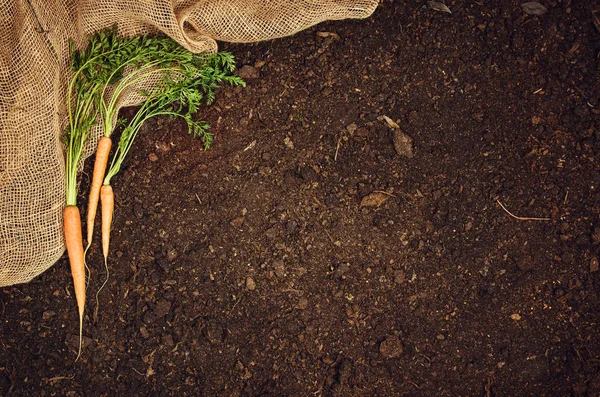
column 250, row 284
column 516, row 316
column 300, row 271
column 374, row 199
column 288, row 142
column 152, row 157
column 144, row 332
column 351, row 128
column 302, row 303
column 403, row 144
column 172, row 254
column 594, row 264
column 391, row 347
column 237, row 222
column 248, row 72
column 271, row 233
column 279, row 269
column 163, row 147
column 399, row 277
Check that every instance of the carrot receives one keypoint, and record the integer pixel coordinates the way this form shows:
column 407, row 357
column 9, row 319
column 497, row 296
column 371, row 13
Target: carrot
column 104, row 146
column 108, row 207
column 74, row 243
column 107, row 199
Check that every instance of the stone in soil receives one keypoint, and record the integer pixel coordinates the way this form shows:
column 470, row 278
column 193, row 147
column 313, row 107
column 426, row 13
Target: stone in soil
column 237, row 222
column 391, row 347
column 403, row 144
column 374, row 199
column 250, row 284
column 248, row 72
column 594, row 264
column 302, row 303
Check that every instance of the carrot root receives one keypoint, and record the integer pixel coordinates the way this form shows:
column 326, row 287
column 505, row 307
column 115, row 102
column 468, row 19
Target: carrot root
column 100, row 289
column 74, row 243
column 108, row 207
column 102, row 153
column 107, row 199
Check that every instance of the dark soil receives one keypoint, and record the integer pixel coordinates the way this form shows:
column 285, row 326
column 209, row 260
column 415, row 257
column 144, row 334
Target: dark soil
column 302, row 255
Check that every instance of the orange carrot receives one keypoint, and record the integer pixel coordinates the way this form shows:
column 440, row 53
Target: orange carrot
column 107, row 199
column 104, row 146
column 108, row 206
column 74, row 243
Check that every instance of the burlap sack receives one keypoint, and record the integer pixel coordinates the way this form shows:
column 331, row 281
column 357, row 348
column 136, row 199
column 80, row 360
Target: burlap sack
column 34, row 58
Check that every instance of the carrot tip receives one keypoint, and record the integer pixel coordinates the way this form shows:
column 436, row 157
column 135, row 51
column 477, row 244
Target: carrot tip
column 100, row 289
column 80, row 335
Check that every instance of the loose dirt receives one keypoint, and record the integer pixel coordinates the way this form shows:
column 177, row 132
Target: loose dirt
column 319, row 248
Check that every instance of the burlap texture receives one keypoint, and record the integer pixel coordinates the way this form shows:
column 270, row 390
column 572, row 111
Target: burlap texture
column 34, row 59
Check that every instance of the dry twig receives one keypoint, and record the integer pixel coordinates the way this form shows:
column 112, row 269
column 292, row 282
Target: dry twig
column 57, row 378
column 384, row 192
column 521, row 218
column 329, row 235
column 337, row 149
